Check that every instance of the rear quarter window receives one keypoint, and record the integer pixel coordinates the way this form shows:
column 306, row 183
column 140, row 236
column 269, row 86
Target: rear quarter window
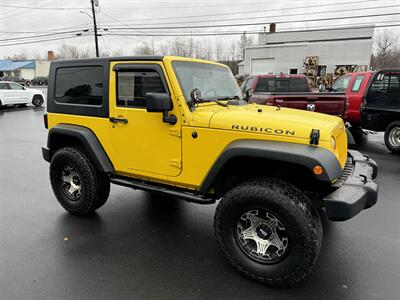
column 82, row 85
column 357, row 83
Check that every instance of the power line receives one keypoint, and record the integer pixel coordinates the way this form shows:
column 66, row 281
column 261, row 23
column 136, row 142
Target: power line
column 222, row 33
column 39, row 41
column 44, row 8
column 112, row 18
column 246, row 12
column 259, row 23
column 43, row 35
column 47, row 30
column 196, row 6
column 267, row 17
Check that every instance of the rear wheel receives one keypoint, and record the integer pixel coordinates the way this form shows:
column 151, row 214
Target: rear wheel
column 78, row 186
column 269, row 231
column 392, row 137
column 37, row 100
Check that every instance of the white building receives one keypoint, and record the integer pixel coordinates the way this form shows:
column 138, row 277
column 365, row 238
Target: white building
column 285, row 52
column 25, row 69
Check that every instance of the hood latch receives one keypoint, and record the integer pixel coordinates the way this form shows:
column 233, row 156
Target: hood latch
column 314, row 137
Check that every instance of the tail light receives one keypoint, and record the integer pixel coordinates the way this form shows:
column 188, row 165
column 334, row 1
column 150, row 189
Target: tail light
column 46, row 122
column 346, row 107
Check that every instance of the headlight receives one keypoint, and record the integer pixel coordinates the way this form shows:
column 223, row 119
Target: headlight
column 333, row 142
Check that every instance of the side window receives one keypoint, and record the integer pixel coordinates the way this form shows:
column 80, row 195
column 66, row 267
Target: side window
column 394, row 82
column 357, row 83
column 79, row 85
column 132, row 87
column 381, row 82
column 4, row 86
column 15, row 86
column 341, row 84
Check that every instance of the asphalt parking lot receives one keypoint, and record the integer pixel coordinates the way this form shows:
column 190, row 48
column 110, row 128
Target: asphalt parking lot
column 139, row 246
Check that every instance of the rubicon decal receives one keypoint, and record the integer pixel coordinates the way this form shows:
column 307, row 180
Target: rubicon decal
column 264, row 130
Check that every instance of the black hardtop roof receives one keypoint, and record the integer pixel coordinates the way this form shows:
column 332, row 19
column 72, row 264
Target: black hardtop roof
column 109, row 59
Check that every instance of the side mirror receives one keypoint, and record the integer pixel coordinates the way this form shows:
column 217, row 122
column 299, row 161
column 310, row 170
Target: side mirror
column 160, row 102
column 247, row 94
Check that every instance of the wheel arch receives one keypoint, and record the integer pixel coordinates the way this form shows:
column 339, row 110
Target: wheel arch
column 64, row 135
column 269, row 157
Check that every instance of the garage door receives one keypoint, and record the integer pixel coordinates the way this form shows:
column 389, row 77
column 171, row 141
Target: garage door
column 260, row 66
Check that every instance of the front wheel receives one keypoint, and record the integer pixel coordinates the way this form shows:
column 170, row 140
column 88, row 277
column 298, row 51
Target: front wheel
column 392, row 137
column 78, row 186
column 268, row 231
column 37, row 100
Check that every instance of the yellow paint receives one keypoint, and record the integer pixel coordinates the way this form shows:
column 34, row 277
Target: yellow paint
column 150, row 149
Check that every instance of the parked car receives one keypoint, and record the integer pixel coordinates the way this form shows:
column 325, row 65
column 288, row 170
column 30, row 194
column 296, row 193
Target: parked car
column 293, row 91
column 373, row 102
column 40, row 80
column 177, row 126
column 16, row 79
column 12, row 93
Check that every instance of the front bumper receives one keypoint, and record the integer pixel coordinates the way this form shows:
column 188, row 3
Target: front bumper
column 355, row 190
column 46, row 154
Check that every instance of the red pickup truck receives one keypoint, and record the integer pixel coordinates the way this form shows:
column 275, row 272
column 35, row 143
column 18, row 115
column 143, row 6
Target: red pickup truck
column 293, row 91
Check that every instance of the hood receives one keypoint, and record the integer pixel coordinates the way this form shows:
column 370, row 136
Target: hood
column 269, row 120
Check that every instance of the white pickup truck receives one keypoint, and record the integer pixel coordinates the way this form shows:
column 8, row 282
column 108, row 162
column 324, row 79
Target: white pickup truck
column 12, row 93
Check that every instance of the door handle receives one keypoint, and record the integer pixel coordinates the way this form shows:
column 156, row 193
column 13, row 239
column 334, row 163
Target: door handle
column 118, row 120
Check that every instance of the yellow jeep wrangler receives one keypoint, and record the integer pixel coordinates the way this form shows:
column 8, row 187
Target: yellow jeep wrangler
column 180, row 127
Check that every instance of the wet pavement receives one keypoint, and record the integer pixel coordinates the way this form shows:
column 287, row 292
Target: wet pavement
column 138, row 246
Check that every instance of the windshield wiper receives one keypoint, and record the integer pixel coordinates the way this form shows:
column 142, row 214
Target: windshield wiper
column 215, row 100
column 229, row 98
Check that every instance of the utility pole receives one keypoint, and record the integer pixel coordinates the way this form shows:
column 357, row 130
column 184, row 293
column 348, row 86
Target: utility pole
column 95, row 3
column 244, row 43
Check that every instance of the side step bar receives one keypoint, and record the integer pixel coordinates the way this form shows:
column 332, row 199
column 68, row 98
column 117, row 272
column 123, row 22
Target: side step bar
column 140, row 185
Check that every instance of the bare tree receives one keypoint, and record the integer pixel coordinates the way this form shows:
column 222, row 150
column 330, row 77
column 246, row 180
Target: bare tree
column 387, row 53
column 23, row 55
column 145, row 49
column 67, row 52
column 118, row 52
column 245, row 40
column 36, row 55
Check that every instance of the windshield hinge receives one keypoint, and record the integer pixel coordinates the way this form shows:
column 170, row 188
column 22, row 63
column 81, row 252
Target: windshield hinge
column 177, row 163
column 175, row 132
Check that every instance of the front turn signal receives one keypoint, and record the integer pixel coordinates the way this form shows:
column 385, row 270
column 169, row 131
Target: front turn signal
column 318, row 170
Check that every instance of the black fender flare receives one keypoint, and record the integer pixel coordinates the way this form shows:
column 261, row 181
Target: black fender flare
column 89, row 141
column 299, row 154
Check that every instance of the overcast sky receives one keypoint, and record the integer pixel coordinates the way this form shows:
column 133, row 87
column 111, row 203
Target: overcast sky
column 71, row 16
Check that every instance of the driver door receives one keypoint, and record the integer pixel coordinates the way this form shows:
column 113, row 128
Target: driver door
column 19, row 94
column 141, row 141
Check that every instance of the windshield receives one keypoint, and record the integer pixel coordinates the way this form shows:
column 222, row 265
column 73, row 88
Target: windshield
column 213, row 81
